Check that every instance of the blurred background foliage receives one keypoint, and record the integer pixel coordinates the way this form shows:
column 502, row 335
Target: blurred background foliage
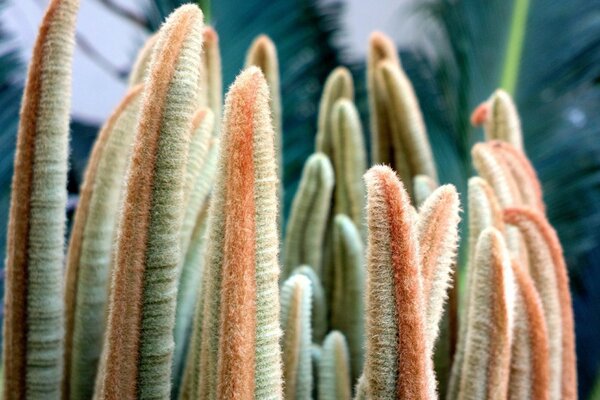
column 545, row 52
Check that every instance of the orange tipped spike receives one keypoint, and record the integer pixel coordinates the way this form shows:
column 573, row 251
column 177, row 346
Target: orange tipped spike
column 480, row 114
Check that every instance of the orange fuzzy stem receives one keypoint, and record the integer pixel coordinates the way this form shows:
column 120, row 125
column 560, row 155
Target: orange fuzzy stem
column 238, row 293
column 518, row 216
column 414, row 366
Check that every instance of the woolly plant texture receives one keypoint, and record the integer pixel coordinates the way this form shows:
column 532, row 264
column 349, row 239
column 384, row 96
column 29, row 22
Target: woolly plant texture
column 397, row 363
column 347, row 302
column 139, row 339
column 398, row 130
column 33, row 309
column 297, row 337
column 486, row 364
column 91, row 247
column 199, row 177
column 238, row 330
column 319, row 322
column 308, row 219
column 334, row 369
column 174, row 286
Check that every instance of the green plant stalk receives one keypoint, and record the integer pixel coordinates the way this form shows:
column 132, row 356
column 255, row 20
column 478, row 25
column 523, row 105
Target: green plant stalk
column 411, row 150
column 484, row 212
column 296, row 342
column 91, row 247
column 139, row 340
column 347, row 305
column 349, row 162
column 335, row 382
column 200, row 173
column 205, row 6
column 308, row 219
column 339, row 85
column 319, row 309
column 33, row 309
column 486, row 364
column 381, row 48
column 514, row 48
column 263, row 54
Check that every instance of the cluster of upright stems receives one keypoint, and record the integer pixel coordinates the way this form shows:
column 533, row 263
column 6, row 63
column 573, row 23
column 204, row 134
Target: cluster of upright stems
column 175, row 285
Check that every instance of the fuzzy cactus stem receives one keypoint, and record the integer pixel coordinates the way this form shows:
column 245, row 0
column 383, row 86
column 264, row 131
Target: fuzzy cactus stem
column 33, row 310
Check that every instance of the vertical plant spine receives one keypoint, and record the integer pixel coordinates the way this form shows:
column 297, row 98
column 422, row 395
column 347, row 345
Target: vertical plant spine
column 319, row 310
column 33, row 310
column 308, row 218
column 549, row 272
column 486, row 366
column 339, row 85
column 349, row 161
column 334, row 369
column 263, row 54
column 91, row 247
column 248, row 158
column 297, row 338
column 347, row 298
column 139, row 338
column 395, row 301
column 437, row 231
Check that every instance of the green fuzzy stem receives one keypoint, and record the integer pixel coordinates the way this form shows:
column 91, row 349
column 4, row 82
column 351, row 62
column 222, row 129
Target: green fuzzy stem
column 33, row 308
column 349, row 162
column 484, row 212
column 295, row 322
column 339, row 85
column 410, row 153
column 308, row 219
column 194, row 265
column 139, row 340
column 319, row 303
column 486, row 362
column 334, row 369
column 347, row 305
column 263, row 54
column 211, row 79
column 91, row 247
column 187, row 296
column 503, row 122
column 200, row 175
